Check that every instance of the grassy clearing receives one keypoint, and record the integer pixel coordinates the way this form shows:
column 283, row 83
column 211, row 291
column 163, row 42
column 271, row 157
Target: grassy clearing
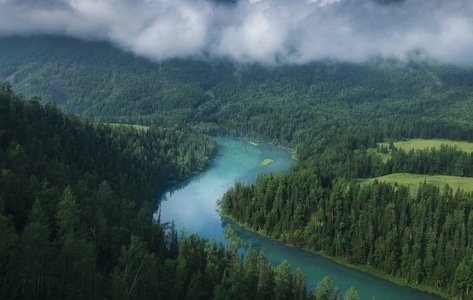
column 426, row 144
column 141, row 127
column 413, row 181
column 421, row 144
column 266, row 162
column 384, row 156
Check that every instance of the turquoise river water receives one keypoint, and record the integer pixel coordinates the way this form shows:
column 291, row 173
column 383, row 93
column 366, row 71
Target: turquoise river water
column 192, row 205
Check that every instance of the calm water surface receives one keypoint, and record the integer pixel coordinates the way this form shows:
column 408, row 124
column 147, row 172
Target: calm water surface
column 191, row 204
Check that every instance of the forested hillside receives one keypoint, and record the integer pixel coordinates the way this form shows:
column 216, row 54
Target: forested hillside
column 76, row 216
column 95, row 80
column 333, row 113
column 425, row 239
column 291, row 105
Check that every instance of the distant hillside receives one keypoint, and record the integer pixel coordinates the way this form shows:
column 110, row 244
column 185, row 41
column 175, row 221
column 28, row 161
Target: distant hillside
column 385, row 98
column 94, row 79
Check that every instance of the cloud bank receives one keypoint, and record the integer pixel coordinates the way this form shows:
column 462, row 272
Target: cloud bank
column 265, row 31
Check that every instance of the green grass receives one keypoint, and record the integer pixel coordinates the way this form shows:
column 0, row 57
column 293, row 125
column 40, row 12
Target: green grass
column 414, row 180
column 266, row 162
column 422, row 144
column 435, row 143
column 384, row 156
column 132, row 125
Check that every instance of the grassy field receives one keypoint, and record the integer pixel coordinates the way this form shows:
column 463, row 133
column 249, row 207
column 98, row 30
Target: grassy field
column 132, row 125
column 426, row 144
column 414, row 180
column 422, row 144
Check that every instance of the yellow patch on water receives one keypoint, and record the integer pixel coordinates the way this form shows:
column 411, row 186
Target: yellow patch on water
column 266, row 162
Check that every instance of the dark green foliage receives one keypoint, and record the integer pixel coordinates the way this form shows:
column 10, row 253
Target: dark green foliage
column 95, row 80
column 313, row 106
column 49, row 150
column 424, row 237
column 331, row 112
column 76, row 217
column 446, row 161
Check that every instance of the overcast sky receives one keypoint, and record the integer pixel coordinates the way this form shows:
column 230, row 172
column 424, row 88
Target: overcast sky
column 267, row 31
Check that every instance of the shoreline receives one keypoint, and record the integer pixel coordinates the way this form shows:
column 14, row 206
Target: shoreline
column 254, row 142
column 342, row 261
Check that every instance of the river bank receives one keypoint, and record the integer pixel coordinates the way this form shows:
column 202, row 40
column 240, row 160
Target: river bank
column 344, row 262
column 191, row 205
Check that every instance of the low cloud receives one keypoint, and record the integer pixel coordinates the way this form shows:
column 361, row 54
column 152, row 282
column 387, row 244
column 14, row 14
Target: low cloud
column 265, row 31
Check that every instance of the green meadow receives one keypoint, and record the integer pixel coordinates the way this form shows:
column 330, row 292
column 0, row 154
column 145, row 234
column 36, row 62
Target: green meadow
column 426, row 144
column 414, row 180
column 407, row 145
column 142, row 127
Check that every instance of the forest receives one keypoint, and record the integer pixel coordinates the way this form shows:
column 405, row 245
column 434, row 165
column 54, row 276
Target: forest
column 77, row 216
column 333, row 113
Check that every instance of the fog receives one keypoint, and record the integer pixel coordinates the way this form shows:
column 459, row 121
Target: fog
column 265, row 31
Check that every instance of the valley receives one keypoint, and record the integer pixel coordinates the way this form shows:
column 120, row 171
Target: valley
column 375, row 141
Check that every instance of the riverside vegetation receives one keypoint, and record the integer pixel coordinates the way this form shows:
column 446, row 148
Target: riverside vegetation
column 333, row 113
column 77, row 218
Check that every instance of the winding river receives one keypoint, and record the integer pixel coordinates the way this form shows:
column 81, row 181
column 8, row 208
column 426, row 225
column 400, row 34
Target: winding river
column 192, row 206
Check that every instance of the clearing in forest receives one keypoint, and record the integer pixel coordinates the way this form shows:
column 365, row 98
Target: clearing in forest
column 427, row 144
column 421, row 144
column 414, row 180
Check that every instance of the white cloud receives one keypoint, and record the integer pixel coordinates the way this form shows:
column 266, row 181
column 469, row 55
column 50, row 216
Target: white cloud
column 268, row 31
column 323, row 2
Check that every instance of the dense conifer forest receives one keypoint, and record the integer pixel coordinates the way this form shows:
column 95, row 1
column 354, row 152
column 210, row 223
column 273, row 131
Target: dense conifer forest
column 333, row 113
column 77, row 215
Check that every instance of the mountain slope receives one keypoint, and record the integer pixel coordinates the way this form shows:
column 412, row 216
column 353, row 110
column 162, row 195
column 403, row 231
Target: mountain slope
column 387, row 98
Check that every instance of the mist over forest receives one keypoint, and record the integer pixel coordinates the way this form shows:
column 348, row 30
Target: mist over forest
column 102, row 102
column 266, row 31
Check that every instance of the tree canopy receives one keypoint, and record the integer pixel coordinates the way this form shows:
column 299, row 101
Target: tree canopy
column 69, row 180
